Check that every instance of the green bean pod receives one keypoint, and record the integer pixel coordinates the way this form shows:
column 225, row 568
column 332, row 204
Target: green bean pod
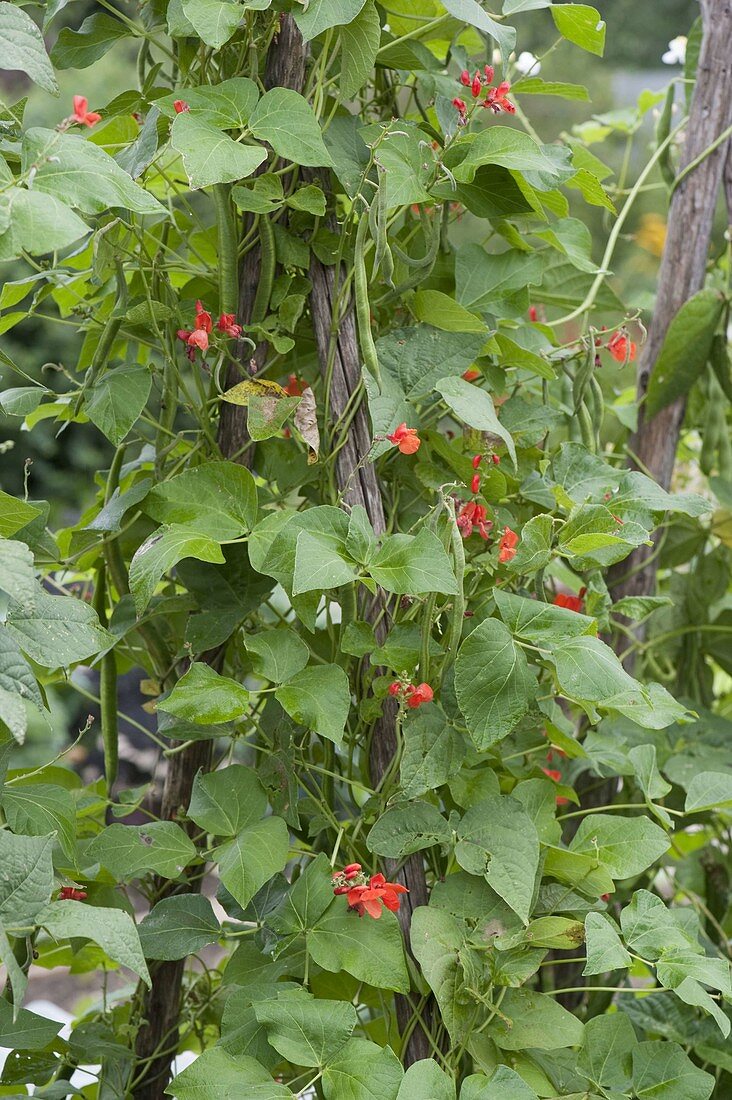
column 363, row 308
column 266, row 270
column 107, row 688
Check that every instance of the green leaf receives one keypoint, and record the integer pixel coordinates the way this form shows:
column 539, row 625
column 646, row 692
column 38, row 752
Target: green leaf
column 588, row 670
column 483, row 278
column 285, row 120
column 253, row 857
column 442, row 311
column 27, row 877
column 319, row 698
column 320, row 563
column 16, row 976
column 306, row 1030
column 224, row 802
column 534, row 550
column 160, row 552
column 650, row 928
column 513, row 355
column 178, row 926
column 218, row 499
column 685, row 350
column 475, row 408
column 607, row 1051
column 27, row 1031
column 417, row 357
column 530, row 1019
column 13, row 714
column 113, row 929
column 370, row 950
column 278, row 654
column 543, row 624
column 321, row 15
column 306, row 900
column 128, row 851
column 493, row 683
column 40, row 809
column 432, row 752
column 359, row 45
column 407, row 827
column 22, row 47
column 17, row 576
column 512, row 149
column 625, row 845
column 438, row 944
column 363, row 1071
column 203, row 696
column 663, row 1071
column 209, row 156
column 227, row 105
column 504, row 1084
column 42, row 223
column 218, row 1075
column 214, row 21
column 535, row 85
column 581, row 24
column 117, row 400
column 471, row 12
column 425, row 1080
column 650, row 780
column 709, row 791
column 605, row 950
column 95, row 37
column 56, row 631
column 77, row 172
column 497, row 839
column 413, row 564
column 14, row 514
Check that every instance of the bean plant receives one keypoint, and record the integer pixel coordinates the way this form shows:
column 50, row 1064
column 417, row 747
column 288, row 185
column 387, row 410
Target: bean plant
column 434, row 810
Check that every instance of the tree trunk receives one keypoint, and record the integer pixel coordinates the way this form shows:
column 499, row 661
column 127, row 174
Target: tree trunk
column 690, row 218
column 158, row 1035
column 339, row 354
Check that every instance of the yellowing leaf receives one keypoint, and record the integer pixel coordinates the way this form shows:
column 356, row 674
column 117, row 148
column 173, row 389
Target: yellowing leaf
column 252, row 387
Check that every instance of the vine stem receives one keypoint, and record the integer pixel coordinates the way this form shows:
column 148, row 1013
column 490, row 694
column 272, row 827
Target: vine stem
column 615, row 232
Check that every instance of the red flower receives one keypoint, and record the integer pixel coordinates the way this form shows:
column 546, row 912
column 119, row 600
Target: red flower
column 488, row 70
column 198, row 339
column 476, row 461
column 460, row 107
column 71, row 893
column 507, row 545
column 351, row 870
column 369, row 899
column 227, row 324
column 423, row 693
column 473, row 515
column 476, row 86
column 553, row 774
column 81, row 114
column 465, row 78
column 406, row 439
column 533, row 313
column 572, row 603
column 475, row 483
column 471, row 374
column 496, row 460
column 496, row 99
column 203, row 318
column 395, row 689
column 180, row 106
column 621, row 347
column 294, row 386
